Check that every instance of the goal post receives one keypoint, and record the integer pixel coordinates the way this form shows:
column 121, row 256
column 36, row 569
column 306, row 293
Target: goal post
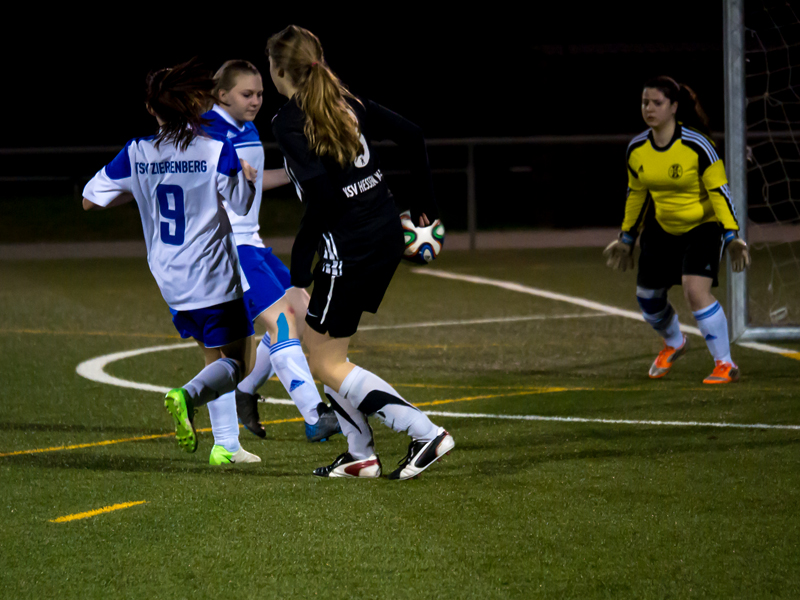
column 775, row 292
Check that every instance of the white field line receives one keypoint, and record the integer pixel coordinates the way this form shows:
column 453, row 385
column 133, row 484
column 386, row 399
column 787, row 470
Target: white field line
column 94, row 368
column 482, row 321
column 436, row 413
column 605, row 308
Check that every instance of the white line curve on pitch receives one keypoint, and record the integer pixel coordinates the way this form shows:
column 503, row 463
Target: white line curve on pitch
column 94, row 368
column 436, row 413
column 605, row 308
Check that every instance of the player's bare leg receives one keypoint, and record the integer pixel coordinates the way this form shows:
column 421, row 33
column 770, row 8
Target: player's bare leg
column 298, row 302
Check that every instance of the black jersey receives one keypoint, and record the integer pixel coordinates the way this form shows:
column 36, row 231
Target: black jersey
column 350, row 216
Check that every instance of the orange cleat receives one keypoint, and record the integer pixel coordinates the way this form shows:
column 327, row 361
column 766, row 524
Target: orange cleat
column 724, row 372
column 663, row 362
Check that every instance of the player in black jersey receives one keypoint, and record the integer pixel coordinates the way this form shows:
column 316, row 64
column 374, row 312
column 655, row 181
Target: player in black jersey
column 351, row 221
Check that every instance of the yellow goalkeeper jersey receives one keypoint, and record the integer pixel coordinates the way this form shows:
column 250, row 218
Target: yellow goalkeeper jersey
column 686, row 182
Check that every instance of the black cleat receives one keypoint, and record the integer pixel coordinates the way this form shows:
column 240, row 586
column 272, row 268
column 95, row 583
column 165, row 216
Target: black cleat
column 327, row 425
column 347, row 466
column 247, row 409
column 422, row 455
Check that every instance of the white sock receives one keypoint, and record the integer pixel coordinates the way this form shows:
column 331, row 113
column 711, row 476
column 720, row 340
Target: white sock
column 216, row 379
column 672, row 333
column 225, row 422
column 291, row 366
column 354, row 426
column 372, row 395
column 262, row 370
column 713, row 325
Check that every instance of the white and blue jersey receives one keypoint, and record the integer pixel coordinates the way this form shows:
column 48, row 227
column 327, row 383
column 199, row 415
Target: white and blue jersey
column 248, row 146
column 190, row 245
column 267, row 277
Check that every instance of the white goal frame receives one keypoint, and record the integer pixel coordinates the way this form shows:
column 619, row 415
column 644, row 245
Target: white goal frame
column 736, row 161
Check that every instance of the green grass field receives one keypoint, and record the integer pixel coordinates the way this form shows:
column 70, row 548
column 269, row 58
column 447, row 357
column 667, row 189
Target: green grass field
column 520, row 509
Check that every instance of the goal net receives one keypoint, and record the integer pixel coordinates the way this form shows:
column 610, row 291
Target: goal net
column 766, row 299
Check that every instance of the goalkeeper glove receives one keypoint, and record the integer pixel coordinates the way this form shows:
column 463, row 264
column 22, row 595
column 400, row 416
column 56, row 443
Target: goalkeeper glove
column 619, row 253
column 737, row 251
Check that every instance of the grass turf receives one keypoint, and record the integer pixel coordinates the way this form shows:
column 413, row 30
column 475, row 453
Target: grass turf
column 520, row 509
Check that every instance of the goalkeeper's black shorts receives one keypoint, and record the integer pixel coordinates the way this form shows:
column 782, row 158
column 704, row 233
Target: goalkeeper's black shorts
column 665, row 258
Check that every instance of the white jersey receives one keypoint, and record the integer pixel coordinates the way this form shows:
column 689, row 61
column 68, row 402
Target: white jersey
column 248, row 146
column 190, row 246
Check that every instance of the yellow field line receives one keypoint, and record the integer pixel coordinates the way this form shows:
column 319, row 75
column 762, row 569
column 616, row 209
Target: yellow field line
column 89, row 445
column 793, row 355
column 133, row 439
column 94, row 513
column 486, row 396
column 293, row 420
column 525, row 392
column 478, row 387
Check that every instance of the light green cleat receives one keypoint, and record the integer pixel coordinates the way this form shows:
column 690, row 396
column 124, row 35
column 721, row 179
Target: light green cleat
column 220, row 456
column 179, row 406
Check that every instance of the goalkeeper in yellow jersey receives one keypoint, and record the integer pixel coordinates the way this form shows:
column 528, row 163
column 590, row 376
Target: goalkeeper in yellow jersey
column 678, row 195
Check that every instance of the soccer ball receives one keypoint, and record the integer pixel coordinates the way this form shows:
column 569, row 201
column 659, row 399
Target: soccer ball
column 423, row 244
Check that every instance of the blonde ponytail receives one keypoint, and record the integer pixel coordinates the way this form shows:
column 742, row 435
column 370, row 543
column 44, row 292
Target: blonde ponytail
column 331, row 127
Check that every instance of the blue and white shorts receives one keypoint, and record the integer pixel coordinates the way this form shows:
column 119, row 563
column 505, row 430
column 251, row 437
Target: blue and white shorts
column 214, row 326
column 267, row 276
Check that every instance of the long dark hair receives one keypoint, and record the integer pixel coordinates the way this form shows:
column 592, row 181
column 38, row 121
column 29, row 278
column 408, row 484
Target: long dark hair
column 690, row 111
column 179, row 96
column 331, row 128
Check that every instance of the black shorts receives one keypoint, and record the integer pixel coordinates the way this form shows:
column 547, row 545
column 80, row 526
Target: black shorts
column 337, row 303
column 665, row 258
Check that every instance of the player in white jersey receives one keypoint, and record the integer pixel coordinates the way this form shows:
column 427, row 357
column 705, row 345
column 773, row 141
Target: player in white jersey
column 271, row 300
column 179, row 179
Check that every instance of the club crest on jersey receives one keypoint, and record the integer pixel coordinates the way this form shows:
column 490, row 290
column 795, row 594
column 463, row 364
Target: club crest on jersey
column 676, row 171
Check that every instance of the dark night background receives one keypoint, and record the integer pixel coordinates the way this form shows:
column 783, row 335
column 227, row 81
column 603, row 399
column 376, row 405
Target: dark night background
column 463, row 73
column 457, row 72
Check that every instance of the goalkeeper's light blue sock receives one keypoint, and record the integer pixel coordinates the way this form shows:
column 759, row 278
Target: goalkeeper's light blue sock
column 658, row 312
column 713, row 324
